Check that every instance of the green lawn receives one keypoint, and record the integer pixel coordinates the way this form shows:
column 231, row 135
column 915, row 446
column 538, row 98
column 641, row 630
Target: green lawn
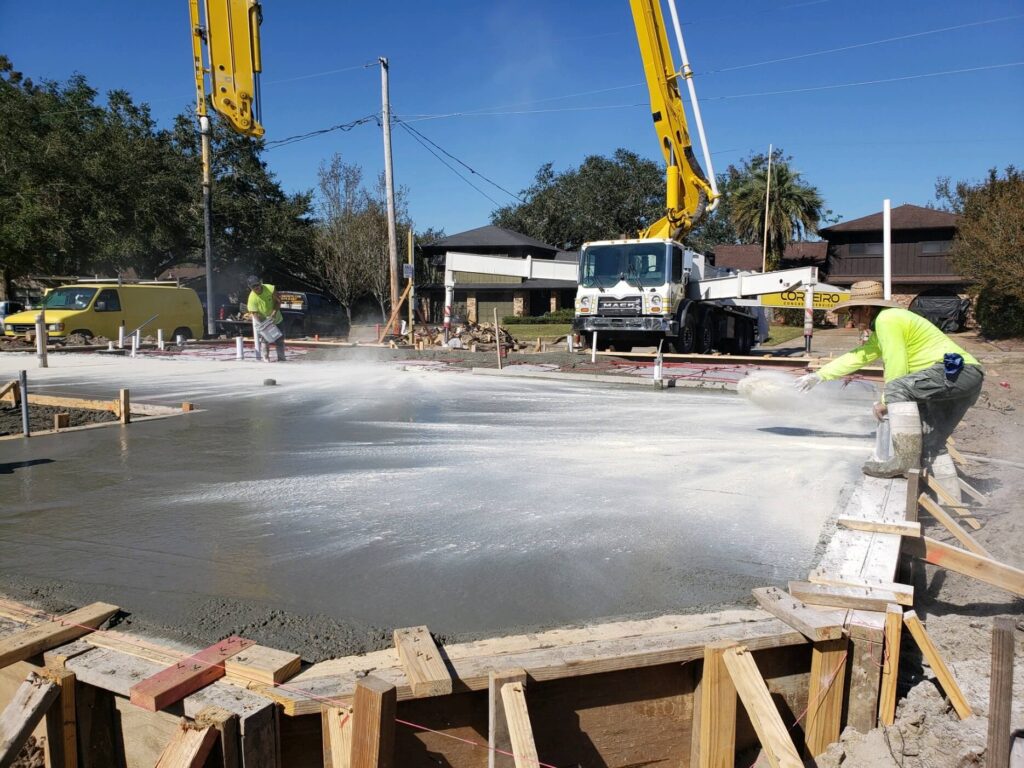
column 527, row 332
column 780, row 334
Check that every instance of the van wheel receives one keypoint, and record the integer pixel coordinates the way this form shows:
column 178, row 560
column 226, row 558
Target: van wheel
column 183, row 332
column 82, row 332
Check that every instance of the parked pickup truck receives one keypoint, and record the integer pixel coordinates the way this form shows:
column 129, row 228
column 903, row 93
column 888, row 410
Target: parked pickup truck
column 305, row 314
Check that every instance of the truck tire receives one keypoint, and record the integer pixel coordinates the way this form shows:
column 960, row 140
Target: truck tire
column 183, row 331
column 82, row 332
column 621, row 347
column 745, row 338
column 706, row 334
column 686, row 341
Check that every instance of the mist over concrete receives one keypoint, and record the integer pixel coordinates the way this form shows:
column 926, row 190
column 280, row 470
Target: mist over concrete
column 390, row 497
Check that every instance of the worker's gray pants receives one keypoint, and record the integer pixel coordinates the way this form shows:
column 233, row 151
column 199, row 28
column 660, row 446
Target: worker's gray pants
column 942, row 402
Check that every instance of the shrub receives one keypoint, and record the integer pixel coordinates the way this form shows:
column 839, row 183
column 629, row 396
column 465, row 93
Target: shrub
column 560, row 316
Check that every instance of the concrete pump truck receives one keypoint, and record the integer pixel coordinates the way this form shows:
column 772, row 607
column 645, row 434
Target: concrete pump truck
column 649, row 290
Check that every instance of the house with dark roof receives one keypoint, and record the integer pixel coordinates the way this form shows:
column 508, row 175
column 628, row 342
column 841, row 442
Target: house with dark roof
column 748, row 258
column 477, row 296
column 921, row 242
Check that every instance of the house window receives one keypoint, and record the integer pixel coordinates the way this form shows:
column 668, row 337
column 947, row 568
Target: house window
column 865, row 249
column 935, row 247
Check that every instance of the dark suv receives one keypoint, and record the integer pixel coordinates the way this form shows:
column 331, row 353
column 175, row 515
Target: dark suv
column 305, row 314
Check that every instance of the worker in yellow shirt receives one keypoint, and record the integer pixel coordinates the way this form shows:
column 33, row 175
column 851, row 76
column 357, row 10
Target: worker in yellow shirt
column 264, row 303
column 930, row 382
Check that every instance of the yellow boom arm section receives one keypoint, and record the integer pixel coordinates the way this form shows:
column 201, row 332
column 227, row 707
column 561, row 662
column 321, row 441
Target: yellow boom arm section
column 232, row 36
column 687, row 191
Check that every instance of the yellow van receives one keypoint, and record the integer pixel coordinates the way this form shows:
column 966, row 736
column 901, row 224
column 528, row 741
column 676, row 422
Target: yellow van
column 99, row 309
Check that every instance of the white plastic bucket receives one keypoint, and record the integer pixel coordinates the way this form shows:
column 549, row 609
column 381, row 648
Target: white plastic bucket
column 268, row 331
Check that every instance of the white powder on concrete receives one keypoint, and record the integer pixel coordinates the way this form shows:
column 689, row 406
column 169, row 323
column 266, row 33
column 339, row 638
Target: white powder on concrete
column 776, row 391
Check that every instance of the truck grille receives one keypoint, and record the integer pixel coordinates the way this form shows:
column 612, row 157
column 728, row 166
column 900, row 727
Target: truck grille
column 630, row 306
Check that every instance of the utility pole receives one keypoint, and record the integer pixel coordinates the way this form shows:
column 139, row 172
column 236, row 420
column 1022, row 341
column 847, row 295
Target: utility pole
column 389, row 181
column 204, row 132
column 767, row 197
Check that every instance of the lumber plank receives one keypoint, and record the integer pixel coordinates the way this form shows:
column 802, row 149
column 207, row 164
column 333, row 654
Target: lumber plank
column 61, row 421
column 124, row 408
column 825, row 694
column 336, row 723
column 471, row 673
column 189, row 748
column 856, row 598
column 260, row 664
column 913, row 491
column 50, row 634
column 750, row 687
column 424, row 667
column 942, row 673
column 813, row 624
column 897, row 527
column 11, row 391
column 955, row 504
column 61, row 722
column 187, row 676
column 21, row 716
column 373, row 724
column 226, row 752
column 1000, row 699
column 952, row 526
column 904, row 592
column 717, row 731
column 969, row 564
column 520, row 732
column 973, row 492
column 498, row 740
column 73, row 402
column 866, row 640
column 890, row 665
column 100, row 743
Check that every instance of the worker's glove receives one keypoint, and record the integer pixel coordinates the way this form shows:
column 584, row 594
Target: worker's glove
column 807, row 382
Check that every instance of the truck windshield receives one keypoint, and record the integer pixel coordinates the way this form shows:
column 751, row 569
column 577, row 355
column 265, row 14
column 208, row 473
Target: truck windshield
column 69, row 298
column 639, row 264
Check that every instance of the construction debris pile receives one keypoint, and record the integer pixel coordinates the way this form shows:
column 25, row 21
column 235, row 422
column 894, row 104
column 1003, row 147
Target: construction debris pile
column 468, row 336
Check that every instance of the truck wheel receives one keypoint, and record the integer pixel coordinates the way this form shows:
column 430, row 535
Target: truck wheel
column 686, row 341
column 82, row 332
column 183, row 332
column 620, row 347
column 706, row 335
column 745, row 339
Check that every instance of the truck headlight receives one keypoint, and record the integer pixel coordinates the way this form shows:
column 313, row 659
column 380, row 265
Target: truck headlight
column 55, row 327
column 585, row 302
column 9, row 327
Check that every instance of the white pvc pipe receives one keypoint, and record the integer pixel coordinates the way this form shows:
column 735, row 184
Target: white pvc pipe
column 41, row 340
column 120, row 337
column 256, row 340
column 688, row 77
column 135, row 344
column 239, row 348
column 593, row 349
column 160, row 339
column 887, row 248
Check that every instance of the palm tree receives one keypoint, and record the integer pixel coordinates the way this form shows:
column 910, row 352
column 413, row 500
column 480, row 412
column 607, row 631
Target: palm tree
column 794, row 207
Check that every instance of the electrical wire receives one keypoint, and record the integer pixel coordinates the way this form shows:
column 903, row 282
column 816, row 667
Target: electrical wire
column 312, row 134
column 326, row 72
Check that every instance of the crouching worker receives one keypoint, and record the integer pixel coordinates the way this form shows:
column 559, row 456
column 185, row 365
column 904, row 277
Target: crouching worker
column 930, row 382
column 264, row 303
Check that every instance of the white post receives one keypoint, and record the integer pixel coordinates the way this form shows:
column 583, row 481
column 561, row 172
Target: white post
column 449, row 300
column 887, row 248
column 120, row 337
column 568, row 341
column 239, row 348
column 256, row 340
column 658, row 361
column 41, row 340
column 593, row 349
column 135, row 344
column 160, row 339
column 808, row 316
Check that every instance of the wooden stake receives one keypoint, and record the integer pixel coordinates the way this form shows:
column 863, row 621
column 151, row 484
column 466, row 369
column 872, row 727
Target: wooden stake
column 373, row 724
column 422, row 661
column 825, row 695
column 772, row 732
column 226, row 751
column 124, row 407
column 973, row 492
column 942, row 673
column 497, row 337
column 717, row 733
column 188, row 407
column 337, row 729
column 189, row 748
column 21, row 716
column 890, row 664
column 100, row 743
column 520, row 732
column 951, row 525
column 967, row 563
column 866, row 644
column 61, row 421
column 954, row 504
column 913, row 491
column 394, row 314
column 1000, row 697
column 497, row 720
column 61, row 723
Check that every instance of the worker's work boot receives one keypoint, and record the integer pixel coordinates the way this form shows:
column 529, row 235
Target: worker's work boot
column 944, row 471
column 905, row 427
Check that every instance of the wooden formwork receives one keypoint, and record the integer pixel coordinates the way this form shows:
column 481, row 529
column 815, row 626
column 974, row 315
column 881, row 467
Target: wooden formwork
column 697, row 690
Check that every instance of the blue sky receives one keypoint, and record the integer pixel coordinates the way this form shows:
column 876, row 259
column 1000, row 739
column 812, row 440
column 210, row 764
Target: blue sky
column 512, row 63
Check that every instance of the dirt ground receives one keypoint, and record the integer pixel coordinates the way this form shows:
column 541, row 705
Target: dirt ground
column 40, row 418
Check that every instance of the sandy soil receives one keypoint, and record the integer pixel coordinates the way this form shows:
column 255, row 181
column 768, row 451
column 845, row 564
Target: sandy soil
column 40, row 418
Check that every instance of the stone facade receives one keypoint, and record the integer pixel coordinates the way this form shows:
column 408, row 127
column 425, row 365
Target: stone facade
column 471, row 310
column 554, row 304
column 520, row 304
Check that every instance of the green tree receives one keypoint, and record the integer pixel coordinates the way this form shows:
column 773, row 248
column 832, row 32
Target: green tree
column 989, row 245
column 716, row 228
column 795, row 208
column 603, row 198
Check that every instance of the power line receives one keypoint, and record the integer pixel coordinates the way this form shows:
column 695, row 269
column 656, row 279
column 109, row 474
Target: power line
column 460, row 162
column 326, row 72
column 276, row 144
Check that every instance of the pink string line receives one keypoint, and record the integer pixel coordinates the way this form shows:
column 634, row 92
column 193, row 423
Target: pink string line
column 297, row 691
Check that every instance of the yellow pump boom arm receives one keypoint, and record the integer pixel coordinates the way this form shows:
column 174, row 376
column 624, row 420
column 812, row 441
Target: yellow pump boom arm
column 232, row 36
column 688, row 191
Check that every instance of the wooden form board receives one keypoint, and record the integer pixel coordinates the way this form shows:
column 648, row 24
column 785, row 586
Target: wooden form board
column 422, row 661
column 373, row 724
column 716, row 734
column 969, row 564
column 866, row 651
column 854, row 598
column 890, row 665
column 931, row 655
column 825, row 695
column 336, row 724
column 947, row 521
column 189, row 748
column 23, row 714
column 61, row 722
column 260, row 664
column 520, row 732
column 227, row 751
column 815, row 625
column 186, row 676
column 50, row 634
column 499, row 741
column 750, row 686
column 1000, row 700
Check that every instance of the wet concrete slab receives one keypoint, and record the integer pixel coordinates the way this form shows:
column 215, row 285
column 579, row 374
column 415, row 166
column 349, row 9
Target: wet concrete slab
column 393, row 496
